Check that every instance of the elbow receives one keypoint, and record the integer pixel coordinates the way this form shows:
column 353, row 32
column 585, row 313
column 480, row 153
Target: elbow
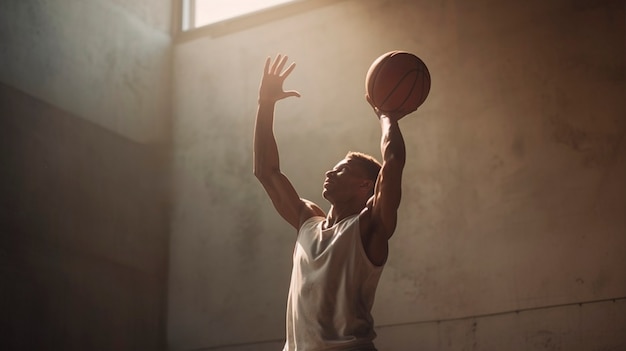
column 262, row 173
column 258, row 173
column 258, row 169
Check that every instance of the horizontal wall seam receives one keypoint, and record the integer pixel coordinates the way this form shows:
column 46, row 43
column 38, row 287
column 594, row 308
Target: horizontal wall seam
column 487, row 315
column 391, row 325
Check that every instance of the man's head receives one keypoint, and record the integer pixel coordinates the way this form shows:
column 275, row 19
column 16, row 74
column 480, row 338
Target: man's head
column 367, row 163
column 352, row 178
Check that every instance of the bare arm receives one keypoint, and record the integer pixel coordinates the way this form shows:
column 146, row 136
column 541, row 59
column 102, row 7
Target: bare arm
column 388, row 189
column 266, row 159
column 380, row 217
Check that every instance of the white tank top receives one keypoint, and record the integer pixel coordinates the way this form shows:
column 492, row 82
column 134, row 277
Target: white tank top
column 332, row 289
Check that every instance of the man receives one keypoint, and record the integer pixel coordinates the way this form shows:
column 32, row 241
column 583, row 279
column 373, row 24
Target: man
column 339, row 256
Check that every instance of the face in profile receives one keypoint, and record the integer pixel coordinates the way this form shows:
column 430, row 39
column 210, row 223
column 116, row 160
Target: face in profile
column 345, row 182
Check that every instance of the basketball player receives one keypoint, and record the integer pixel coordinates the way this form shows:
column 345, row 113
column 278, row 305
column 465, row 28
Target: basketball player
column 339, row 256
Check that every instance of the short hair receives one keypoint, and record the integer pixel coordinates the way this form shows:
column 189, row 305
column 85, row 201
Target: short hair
column 368, row 163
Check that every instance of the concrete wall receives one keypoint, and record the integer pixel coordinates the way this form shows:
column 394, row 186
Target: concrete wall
column 106, row 61
column 84, row 150
column 512, row 231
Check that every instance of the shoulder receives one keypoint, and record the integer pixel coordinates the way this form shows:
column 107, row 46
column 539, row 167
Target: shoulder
column 310, row 209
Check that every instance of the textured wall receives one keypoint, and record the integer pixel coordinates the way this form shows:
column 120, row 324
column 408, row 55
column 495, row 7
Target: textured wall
column 106, row 61
column 514, row 198
column 84, row 105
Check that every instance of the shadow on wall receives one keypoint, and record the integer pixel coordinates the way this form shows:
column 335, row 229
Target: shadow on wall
column 84, row 233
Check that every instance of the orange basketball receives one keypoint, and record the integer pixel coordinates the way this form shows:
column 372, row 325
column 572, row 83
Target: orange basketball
column 397, row 81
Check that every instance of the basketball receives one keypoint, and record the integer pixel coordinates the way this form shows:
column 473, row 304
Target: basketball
column 397, row 81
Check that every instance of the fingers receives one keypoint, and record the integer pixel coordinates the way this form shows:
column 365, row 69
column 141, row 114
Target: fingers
column 369, row 101
column 267, row 65
column 292, row 93
column 281, row 64
column 276, row 66
column 289, row 69
column 376, row 110
column 272, row 83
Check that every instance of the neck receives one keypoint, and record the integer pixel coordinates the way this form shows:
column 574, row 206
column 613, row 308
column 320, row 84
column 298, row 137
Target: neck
column 338, row 213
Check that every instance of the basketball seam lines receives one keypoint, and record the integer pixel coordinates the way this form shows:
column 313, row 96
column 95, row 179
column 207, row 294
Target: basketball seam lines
column 398, row 84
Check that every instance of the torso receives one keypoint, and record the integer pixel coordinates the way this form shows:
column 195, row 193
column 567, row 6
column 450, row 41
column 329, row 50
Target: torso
column 332, row 288
column 376, row 246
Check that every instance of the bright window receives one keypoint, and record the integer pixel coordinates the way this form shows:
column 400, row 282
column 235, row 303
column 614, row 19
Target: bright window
column 199, row 13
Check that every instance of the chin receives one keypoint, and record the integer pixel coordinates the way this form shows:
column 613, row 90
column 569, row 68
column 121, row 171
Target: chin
column 325, row 194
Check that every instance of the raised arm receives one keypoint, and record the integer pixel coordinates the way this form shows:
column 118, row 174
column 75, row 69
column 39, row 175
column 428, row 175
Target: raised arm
column 379, row 219
column 265, row 154
column 388, row 189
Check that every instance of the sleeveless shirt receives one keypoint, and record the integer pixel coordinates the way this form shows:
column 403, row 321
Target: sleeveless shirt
column 332, row 289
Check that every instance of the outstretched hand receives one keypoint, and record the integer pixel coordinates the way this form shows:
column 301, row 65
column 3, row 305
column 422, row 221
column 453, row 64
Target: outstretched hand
column 393, row 115
column 271, row 89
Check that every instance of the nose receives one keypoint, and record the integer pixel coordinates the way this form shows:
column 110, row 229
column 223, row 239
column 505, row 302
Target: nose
column 329, row 173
